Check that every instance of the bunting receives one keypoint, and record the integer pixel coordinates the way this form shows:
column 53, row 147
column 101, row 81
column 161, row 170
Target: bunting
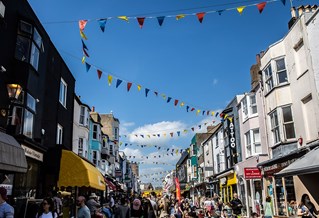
column 180, row 16
column 102, row 23
column 82, row 24
column 241, row 9
column 160, row 20
column 118, row 83
column 129, row 85
column 109, row 79
column 87, row 66
column 261, row 6
column 99, row 74
column 140, row 21
column 200, row 16
column 125, row 18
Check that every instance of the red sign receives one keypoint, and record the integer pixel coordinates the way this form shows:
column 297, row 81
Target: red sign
column 252, row 173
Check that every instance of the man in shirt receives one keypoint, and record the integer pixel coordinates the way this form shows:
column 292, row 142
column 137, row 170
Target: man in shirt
column 236, row 205
column 83, row 211
column 6, row 210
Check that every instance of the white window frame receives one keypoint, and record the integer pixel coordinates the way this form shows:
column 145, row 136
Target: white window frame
column 275, row 128
column 280, row 71
column 63, row 93
column 248, row 144
column 269, row 81
column 82, row 115
column 288, row 123
column 252, row 105
column 80, row 146
column 59, row 135
column 244, row 104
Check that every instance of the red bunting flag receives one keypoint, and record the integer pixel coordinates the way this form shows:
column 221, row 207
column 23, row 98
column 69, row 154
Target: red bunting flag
column 175, row 102
column 200, row 16
column 140, row 21
column 261, row 6
column 99, row 74
column 129, row 85
column 192, row 109
column 82, row 24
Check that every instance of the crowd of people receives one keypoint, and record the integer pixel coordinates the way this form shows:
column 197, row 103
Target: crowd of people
column 148, row 206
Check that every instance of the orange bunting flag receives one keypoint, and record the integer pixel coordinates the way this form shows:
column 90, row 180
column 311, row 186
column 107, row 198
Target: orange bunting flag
column 83, row 35
column 241, row 9
column 125, row 18
column 200, row 16
column 139, row 87
column 82, row 24
column 180, row 16
column 129, row 85
column 175, row 102
column 99, row 74
column 261, row 6
column 109, row 79
column 197, row 112
column 192, row 109
column 140, row 21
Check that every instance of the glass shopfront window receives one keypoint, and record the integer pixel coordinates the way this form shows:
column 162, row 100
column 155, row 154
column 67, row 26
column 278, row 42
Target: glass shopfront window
column 285, row 193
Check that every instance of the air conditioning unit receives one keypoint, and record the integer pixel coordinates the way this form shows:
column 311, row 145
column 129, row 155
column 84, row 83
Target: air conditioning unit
column 2, row 9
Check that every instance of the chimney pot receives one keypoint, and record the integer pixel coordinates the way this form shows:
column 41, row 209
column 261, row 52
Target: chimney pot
column 258, row 59
column 300, row 10
column 307, row 8
column 293, row 12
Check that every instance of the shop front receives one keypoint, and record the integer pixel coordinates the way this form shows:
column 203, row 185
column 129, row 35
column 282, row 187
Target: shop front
column 228, row 185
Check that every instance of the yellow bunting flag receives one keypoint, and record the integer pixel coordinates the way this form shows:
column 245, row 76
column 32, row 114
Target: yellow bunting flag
column 241, row 9
column 109, row 79
column 83, row 35
column 125, row 18
column 197, row 112
column 180, row 16
column 139, row 87
column 176, row 151
column 213, row 113
column 185, row 131
column 83, row 59
column 182, row 104
column 163, row 96
column 149, row 136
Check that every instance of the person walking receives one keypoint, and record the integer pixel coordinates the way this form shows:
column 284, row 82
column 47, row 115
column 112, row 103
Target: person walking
column 93, row 205
column 122, row 210
column 57, row 202
column 6, row 210
column 84, row 211
column 268, row 208
column 236, row 205
column 46, row 209
column 136, row 209
column 306, row 208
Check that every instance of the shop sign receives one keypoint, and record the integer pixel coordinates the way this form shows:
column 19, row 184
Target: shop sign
column 29, row 152
column 118, row 173
column 275, row 168
column 232, row 135
column 252, row 173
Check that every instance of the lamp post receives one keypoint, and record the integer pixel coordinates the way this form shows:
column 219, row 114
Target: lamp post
column 14, row 91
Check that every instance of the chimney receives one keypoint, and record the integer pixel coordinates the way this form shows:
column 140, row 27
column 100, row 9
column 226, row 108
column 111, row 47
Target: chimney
column 293, row 12
column 300, row 10
column 258, row 59
column 93, row 109
column 293, row 19
column 313, row 8
column 307, row 8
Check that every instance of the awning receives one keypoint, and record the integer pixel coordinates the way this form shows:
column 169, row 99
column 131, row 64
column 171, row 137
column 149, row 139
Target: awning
column 75, row 171
column 309, row 163
column 12, row 157
column 110, row 185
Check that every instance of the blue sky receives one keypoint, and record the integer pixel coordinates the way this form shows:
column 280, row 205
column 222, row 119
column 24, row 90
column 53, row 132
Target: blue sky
column 204, row 65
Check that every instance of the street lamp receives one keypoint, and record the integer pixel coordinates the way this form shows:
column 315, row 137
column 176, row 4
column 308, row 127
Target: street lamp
column 14, row 91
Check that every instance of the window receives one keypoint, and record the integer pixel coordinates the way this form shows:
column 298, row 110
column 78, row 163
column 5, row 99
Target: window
column 28, row 123
column 281, row 71
column 274, row 126
column 288, row 123
column 82, row 116
column 80, row 151
column 111, row 149
column 94, row 158
column 28, row 45
column 245, row 108
column 253, row 105
column 248, row 144
column 188, row 163
column 31, row 102
column 59, row 137
column 218, row 163
column 63, row 91
column 269, row 78
column 116, row 133
column 95, row 132
column 256, row 141
column 216, row 141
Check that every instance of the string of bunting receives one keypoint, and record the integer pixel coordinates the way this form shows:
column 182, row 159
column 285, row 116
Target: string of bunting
column 162, row 147
column 157, row 173
column 154, row 162
column 161, row 155
column 160, row 19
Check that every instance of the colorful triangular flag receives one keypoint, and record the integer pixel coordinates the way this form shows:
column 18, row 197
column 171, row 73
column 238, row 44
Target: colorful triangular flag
column 180, row 16
column 146, row 92
column 83, row 35
column 175, row 102
column 85, row 53
column 197, row 112
column 187, row 108
column 129, row 85
column 83, row 59
column 241, row 9
column 125, row 18
column 83, row 45
column 109, row 79
column 160, row 20
column 284, row 2
column 99, row 74
column 118, row 83
column 102, row 23
column 200, row 16
column 87, row 66
column 220, row 12
column 156, row 93
column 140, row 21
column 139, row 87
column 178, row 133
column 82, row 24
column 169, row 99
column 261, row 6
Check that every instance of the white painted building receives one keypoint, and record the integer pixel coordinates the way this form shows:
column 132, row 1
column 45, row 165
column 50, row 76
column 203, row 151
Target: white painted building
column 81, row 129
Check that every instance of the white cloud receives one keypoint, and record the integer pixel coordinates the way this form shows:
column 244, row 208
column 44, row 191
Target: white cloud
column 124, row 128
column 128, row 124
column 215, row 81
column 164, row 127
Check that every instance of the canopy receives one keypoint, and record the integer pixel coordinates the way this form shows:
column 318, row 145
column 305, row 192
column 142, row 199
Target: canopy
column 75, row 171
column 309, row 163
column 12, row 156
column 110, row 185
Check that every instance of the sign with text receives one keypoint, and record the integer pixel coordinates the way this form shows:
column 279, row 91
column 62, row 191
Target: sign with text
column 29, row 152
column 252, row 173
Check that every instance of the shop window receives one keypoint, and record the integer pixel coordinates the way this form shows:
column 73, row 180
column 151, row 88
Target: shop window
column 284, row 185
column 59, row 137
column 63, row 92
column 288, row 123
column 28, row 45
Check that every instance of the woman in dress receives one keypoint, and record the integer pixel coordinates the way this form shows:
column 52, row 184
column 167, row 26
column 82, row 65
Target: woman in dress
column 47, row 209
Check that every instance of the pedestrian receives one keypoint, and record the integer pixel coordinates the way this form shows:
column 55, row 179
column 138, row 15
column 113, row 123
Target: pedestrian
column 224, row 214
column 93, row 205
column 83, row 211
column 306, row 208
column 254, row 215
column 6, row 210
column 268, row 208
column 236, row 205
column 57, row 203
column 122, row 210
column 46, row 209
column 136, row 209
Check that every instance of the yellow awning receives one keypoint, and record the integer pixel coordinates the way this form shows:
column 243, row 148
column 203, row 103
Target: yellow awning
column 75, row 171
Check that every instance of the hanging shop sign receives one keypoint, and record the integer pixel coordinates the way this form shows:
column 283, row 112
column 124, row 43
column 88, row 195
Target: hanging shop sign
column 29, row 152
column 232, row 138
column 252, row 173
